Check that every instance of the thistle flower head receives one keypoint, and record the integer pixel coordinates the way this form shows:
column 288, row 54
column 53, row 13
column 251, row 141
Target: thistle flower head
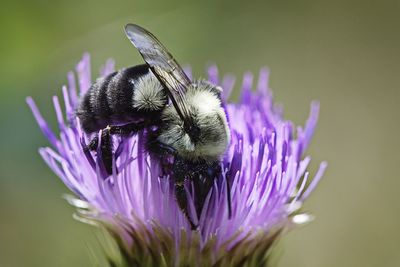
column 264, row 172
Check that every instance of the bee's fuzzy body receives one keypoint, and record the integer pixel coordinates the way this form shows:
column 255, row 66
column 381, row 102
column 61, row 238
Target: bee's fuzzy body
column 126, row 96
column 184, row 119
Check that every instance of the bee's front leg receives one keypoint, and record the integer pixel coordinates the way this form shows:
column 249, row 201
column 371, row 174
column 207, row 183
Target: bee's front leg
column 181, row 199
column 180, row 174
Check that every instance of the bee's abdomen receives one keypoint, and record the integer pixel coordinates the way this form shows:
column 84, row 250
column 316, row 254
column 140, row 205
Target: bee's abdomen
column 118, row 98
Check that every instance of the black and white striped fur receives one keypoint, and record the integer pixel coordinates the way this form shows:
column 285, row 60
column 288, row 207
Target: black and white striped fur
column 134, row 97
column 126, row 96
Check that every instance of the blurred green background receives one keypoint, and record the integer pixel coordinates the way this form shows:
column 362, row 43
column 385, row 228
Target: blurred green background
column 346, row 54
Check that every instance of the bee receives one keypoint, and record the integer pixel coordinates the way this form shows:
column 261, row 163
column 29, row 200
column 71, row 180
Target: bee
column 183, row 119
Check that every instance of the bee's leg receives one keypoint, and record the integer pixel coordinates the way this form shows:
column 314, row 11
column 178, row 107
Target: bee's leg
column 180, row 175
column 106, row 149
column 93, row 145
column 127, row 129
column 181, row 199
column 203, row 178
column 106, row 142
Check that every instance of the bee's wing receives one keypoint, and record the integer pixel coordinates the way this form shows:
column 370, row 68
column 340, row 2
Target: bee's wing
column 155, row 54
column 163, row 65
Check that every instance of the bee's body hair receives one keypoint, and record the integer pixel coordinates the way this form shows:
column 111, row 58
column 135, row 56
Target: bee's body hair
column 204, row 105
column 125, row 96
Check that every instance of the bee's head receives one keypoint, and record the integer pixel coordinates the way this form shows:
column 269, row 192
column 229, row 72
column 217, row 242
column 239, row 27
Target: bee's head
column 207, row 135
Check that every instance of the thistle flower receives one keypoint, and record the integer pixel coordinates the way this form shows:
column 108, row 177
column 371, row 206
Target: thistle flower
column 264, row 168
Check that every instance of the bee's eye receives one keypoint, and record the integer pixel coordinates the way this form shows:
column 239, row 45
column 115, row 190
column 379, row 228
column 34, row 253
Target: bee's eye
column 194, row 132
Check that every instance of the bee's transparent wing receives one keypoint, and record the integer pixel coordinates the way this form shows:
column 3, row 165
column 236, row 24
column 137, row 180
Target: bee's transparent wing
column 155, row 54
column 163, row 65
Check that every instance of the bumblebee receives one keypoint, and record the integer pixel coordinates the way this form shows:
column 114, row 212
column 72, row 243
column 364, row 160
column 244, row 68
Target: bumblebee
column 183, row 118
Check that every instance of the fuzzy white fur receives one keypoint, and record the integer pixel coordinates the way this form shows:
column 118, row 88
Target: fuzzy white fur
column 148, row 93
column 210, row 117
